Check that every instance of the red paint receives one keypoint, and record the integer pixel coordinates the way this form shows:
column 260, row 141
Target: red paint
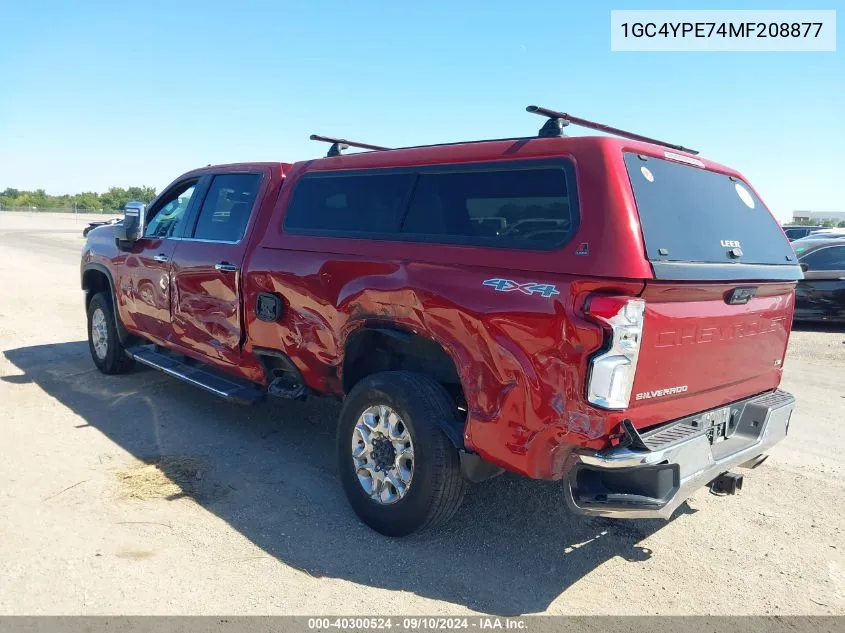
column 522, row 359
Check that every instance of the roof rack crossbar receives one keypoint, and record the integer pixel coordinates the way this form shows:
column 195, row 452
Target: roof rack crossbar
column 563, row 118
column 340, row 144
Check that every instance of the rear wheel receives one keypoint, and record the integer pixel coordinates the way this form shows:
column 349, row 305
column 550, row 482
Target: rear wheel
column 399, row 471
column 106, row 350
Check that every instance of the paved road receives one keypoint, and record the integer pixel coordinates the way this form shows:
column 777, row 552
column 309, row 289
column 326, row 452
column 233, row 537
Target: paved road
column 265, row 529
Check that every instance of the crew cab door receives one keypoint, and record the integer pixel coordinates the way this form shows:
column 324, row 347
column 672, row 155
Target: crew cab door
column 206, row 273
column 144, row 277
column 821, row 294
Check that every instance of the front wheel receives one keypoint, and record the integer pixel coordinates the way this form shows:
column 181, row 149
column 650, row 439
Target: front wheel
column 106, row 350
column 399, row 471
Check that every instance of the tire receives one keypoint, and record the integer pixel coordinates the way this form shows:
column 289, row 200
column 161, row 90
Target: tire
column 435, row 486
column 106, row 350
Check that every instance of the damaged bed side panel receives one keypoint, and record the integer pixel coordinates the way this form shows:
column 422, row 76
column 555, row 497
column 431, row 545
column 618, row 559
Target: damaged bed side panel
column 520, row 355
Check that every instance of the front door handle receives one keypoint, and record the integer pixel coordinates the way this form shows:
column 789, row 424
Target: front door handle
column 161, row 257
column 226, row 267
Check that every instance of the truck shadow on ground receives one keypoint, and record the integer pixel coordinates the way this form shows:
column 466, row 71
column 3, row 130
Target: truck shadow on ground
column 512, row 549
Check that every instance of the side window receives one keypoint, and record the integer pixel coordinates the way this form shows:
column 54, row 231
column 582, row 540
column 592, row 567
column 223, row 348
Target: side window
column 227, row 207
column 520, row 208
column 169, row 214
column 830, row 258
column 359, row 203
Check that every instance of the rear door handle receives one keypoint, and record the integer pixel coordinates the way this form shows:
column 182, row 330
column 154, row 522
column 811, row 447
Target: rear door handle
column 161, row 257
column 226, row 267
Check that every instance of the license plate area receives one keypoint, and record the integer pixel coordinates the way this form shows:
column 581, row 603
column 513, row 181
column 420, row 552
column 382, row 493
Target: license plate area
column 727, row 429
column 718, row 425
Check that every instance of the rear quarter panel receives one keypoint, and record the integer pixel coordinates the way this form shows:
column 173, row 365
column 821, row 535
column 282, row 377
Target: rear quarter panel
column 521, row 359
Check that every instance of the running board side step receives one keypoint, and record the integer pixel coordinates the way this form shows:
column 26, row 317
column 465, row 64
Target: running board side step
column 228, row 388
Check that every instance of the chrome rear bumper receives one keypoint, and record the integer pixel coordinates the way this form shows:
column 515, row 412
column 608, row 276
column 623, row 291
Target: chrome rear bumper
column 658, row 472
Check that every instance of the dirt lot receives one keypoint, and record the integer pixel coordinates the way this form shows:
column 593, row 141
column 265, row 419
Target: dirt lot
column 243, row 513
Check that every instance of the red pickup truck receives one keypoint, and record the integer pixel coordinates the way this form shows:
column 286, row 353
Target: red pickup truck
column 608, row 312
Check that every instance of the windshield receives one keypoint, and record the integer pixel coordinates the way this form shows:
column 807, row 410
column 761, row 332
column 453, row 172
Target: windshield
column 689, row 214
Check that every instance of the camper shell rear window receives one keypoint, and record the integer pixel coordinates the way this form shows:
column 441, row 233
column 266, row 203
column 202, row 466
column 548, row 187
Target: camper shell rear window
column 692, row 215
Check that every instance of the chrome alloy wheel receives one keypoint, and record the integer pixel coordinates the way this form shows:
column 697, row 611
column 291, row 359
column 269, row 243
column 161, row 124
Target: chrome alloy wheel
column 383, row 454
column 99, row 334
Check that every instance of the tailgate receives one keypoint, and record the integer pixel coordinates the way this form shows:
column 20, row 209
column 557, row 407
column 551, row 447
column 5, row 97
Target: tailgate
column 696, row 341
column 719, row 311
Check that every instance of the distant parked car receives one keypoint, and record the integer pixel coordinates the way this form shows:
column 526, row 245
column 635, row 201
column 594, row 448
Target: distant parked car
column 820, row 296
column 825, row 233
column 799, row 231
column 805, row 243
column 93, row 225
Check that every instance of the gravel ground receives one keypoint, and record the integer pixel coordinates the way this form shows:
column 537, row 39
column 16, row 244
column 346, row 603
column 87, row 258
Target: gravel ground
column 259, row 523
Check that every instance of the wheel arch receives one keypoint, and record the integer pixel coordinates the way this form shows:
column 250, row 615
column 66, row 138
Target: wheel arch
column 385, row 347
column 97, row 278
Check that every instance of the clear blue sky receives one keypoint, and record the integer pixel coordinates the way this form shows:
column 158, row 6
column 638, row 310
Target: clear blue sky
column 103, row 93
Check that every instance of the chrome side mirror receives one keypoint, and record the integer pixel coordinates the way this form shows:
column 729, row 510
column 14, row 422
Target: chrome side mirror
column 134, row 221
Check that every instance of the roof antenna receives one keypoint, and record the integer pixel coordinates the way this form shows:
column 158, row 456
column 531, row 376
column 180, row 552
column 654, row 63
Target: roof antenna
column 558, row 119
column 340, row 144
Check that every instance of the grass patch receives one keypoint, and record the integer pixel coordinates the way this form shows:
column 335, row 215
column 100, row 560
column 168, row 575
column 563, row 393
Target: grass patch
column 168, row 477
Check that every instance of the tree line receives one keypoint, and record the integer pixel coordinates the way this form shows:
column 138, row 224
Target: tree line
column 114, row 199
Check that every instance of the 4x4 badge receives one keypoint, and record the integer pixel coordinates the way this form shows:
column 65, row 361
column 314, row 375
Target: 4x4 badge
column 507, row 285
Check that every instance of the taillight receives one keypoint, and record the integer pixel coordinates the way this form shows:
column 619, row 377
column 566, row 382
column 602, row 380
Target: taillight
column 612, row 371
